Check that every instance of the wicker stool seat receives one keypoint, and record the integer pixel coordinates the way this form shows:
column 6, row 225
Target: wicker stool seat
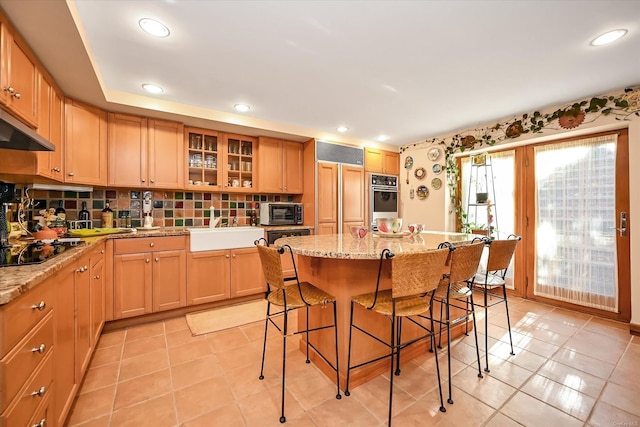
column 414, row 278
column 287, row 294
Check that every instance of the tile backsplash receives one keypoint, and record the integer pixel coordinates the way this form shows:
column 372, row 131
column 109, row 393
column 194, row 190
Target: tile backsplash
column 170, row 208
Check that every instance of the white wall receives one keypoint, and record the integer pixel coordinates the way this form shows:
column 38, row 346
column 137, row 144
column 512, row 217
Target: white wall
column 435, row 210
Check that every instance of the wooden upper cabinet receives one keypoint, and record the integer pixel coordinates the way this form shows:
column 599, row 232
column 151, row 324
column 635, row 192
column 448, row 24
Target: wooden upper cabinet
column 145, row 152
column 280, row 166
column 165, row 154
column 238, row 162
column 86, row 144
column 127, row 150
column 381, row 161
column 19, row 78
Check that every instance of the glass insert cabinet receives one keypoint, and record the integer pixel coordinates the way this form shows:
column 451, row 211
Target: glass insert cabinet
column 220, row 161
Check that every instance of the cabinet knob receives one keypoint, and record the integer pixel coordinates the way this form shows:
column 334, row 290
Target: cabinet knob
column 102, row 251
column 9, row 89
column 39, row 392
column 143, row 180
column 152, row 181
column 40, row 306
column 39, row 349
column 152, row 244
column 97, row 277
column 16, row 95
column 157, row 259
column 42, row 423
column 226, row 256
column 71, row 174
column 55, row 169
column 233, row 256
column 147, row 260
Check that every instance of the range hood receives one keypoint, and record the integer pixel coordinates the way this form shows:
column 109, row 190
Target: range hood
column 15, row 135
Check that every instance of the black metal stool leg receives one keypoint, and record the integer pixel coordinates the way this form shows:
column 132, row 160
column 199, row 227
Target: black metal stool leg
column 475, row 333
column 264, row 343
column 486, row 332
column 284, row 361
column 435, row 354
column 398, row 342
column 447, row 310
column 307, row 361
column 335, row 330
column 346, row 389
column 392, row 342
column 506, row 306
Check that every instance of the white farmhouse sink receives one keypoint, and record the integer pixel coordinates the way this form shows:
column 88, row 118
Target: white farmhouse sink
column 211, row 239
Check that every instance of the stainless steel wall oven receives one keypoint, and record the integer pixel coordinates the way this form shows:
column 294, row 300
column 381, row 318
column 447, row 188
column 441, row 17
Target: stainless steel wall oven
column 383, row 198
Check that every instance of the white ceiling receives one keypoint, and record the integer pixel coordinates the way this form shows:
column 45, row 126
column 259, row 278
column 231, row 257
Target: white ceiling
column 407, row 69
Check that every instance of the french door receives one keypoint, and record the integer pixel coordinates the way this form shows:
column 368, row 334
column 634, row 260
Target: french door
column 576, row 194
column 569, row 200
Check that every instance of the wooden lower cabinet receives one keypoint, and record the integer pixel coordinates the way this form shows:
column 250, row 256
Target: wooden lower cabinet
column 149, row 275
column 219, row 275
column 78, row 303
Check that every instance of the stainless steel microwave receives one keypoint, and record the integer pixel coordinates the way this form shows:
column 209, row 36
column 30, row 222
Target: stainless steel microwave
column 280, row 213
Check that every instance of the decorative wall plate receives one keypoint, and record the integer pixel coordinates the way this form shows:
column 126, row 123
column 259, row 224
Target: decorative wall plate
column 422, row 192
column 433, row 154
column 420, row 173
column 436, row 183
column 436, row 168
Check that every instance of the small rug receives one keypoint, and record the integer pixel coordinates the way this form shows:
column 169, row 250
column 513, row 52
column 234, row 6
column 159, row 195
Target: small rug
column 217, row 319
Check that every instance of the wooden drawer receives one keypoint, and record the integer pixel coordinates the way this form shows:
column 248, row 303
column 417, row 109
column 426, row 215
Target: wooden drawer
column 31, row 396
column 149, row 244
column 18, row 365
column 97, row 254
column 43, row 416
column 21, row 314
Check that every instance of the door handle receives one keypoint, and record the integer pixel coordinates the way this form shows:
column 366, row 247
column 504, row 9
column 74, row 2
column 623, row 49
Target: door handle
column 623, row 224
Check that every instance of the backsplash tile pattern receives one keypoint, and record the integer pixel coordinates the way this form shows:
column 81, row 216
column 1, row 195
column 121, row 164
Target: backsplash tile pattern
column 170, row 208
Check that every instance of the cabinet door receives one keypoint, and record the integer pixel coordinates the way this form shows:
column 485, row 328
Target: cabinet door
column 238, row 162
column 391, row 163
column 97, row 299
column 327, row 193
column 64, row 332
column 127, row 150
column 327, row 228
column 22, row 83
column 169, row 280
column 84, row 334
column 293, row 167
column 56, row 158
column 166, row 154
column 246, row 273
column 208, row 276
column 132, row 281
column 44, row 167
column 353, row 193
column 86, row 144
column 373, row 160
column 270, row 165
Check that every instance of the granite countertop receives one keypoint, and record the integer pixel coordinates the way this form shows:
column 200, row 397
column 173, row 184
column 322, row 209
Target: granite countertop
column 344, row 246
column 16, row 280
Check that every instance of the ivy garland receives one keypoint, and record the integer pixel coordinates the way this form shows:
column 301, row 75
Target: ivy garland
column 568, row 117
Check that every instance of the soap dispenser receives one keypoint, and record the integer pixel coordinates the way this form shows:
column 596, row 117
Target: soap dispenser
column 212, row 213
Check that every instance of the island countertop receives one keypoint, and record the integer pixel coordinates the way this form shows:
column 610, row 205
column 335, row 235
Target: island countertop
column 344, row 246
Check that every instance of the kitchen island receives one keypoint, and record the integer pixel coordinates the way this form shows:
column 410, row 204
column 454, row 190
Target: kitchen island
column 344, row 266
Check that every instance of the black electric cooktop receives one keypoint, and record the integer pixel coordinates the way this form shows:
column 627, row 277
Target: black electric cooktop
column 35, row 252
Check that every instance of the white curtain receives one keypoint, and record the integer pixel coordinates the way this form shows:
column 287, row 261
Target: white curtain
column 575, row 221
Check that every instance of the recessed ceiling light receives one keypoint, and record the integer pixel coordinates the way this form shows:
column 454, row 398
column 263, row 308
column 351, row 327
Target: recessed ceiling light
column 243, row 108
column 342, row 129
column 382, row 138
column 151, row 88
column 153, row 27
column 608, row 37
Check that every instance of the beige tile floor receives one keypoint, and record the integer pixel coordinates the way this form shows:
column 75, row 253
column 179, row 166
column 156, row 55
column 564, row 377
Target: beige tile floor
column 570, row 369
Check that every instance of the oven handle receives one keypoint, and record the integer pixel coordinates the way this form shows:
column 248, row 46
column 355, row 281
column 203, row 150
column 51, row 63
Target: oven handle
column 384, row 188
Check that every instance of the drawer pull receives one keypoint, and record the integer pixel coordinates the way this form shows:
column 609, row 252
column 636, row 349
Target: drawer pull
column 40, row 392
column 102, row 251
column 157, row 259
column 40, row 306
column 152, row 244
column 42, row 423
column 40, row 349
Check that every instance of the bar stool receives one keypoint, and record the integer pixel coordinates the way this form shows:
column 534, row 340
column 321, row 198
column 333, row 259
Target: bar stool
column 414, row 278
column 500, row 254
column 454, row 290
column 290, row 294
